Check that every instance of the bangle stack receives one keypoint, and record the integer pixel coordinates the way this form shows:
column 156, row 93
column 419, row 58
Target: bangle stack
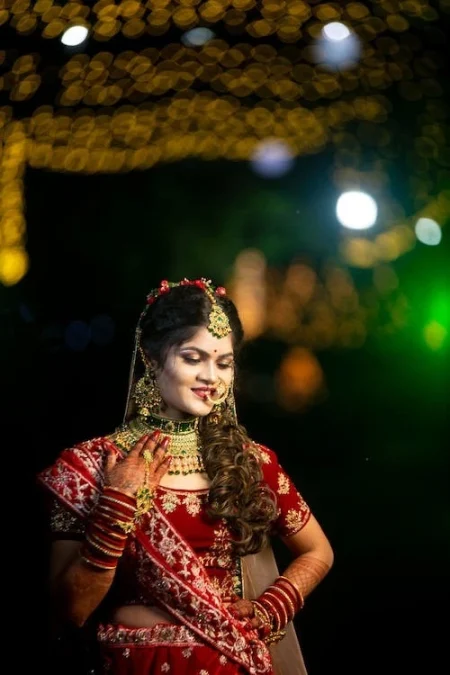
column 108, row 529
column 277, row 606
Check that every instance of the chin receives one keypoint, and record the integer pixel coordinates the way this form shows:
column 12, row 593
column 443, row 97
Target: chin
column 200, row 410
column 193, row 409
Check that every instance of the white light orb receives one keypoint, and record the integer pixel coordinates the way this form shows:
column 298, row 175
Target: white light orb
column 356, row 210
column 428, row 231
column 335, row 31
column 74, row 35
column 272, row 158
column 197, row 37
column 337, row 47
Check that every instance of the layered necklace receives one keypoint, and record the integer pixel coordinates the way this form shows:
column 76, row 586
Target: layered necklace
column 184, row 447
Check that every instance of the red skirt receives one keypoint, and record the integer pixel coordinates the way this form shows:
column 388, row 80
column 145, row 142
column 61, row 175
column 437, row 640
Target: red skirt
column 163, row 648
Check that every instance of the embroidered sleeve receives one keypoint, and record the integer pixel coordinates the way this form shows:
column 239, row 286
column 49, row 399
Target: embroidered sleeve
column 293, row 511
column 63, row 523
column 76, row 477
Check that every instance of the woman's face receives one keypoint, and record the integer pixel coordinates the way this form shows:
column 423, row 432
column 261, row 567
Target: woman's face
column 192, row 371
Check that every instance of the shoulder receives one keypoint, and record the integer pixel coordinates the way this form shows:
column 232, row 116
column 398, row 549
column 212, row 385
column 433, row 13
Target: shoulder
column 76, row 476
column 267, row 458
column 263, row 454
column 87, row 457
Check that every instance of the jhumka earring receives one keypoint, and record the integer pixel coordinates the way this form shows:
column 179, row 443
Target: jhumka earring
column 146, row 392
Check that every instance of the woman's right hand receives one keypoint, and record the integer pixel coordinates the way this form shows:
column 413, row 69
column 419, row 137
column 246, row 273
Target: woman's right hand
column 128, row 475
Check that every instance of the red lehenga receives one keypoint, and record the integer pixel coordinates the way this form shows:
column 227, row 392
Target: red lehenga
column 177, row 559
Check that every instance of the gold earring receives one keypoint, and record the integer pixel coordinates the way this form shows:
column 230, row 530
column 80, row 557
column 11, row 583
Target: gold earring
column 222, row 403
column 146, row 394
column 222, row 391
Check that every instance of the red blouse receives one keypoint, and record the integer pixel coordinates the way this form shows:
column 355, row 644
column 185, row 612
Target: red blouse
column 186, row 511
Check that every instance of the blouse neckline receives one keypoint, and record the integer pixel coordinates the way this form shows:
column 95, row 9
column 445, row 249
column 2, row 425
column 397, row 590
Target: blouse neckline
column 183, row 491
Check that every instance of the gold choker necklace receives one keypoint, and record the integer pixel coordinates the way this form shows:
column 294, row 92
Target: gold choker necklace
column 184, row 446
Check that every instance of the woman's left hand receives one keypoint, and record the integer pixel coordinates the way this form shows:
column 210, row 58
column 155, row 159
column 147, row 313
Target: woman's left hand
column 243, row 609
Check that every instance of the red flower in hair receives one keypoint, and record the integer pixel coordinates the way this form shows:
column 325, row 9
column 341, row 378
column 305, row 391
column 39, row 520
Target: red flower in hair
column 164, row 286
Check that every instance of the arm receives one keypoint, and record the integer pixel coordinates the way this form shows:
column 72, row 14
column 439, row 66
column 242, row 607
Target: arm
column 76, row 590
column 280, row 602
column 313, row 556
column 82, row 572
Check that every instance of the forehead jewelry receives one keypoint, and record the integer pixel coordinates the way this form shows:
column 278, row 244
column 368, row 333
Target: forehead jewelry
column 218, row 322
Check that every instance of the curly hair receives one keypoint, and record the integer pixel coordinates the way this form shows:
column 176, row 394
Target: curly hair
column 237, row 492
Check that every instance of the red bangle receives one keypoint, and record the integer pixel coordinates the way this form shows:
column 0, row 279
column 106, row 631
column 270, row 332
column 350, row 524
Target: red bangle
column 106, row 530
column 282, row 600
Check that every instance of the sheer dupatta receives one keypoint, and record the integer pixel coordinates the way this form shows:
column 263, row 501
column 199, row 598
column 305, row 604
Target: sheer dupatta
column 259, row 570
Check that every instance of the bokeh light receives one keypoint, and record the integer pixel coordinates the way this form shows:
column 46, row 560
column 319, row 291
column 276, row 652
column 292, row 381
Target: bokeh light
column 74, row 35
column 428, row 231
column 102, row 329
column 197, row 37
column 335, row 31
column 435, row 335
column 356, row 210
column 77, row 335
column 337, row 47
column 300, row 379
column 272, row 159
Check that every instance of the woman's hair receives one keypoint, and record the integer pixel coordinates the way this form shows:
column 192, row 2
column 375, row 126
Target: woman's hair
column 237, row 492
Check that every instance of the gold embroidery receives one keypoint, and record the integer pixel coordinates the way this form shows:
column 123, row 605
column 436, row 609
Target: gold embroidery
column 203, row 672
column 283, row 484
column 169, row 502
column 294, row 520
column 192, row 501
column 223, row 660
column 261, row 454
column 193, row 504
column 187, row 653
column 224, row 586
column 165, row 667
column 219, row 554
column 63, row 520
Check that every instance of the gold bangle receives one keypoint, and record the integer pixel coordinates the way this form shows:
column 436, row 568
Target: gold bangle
column 111, row 533
column 275, row 637
column 105, row 511
column 96, row 536
column 261, row 616
column 264, row 611
column 109, row 554
column 91, row 563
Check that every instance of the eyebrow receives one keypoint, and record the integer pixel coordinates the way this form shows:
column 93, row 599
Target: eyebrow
column 203, row 353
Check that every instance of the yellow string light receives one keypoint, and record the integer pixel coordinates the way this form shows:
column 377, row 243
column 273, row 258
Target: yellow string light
column 130, row 110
